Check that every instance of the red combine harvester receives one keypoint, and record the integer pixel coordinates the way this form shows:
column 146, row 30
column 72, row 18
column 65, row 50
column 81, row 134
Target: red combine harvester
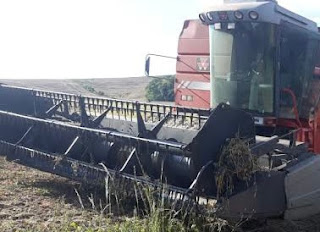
column 264, row 94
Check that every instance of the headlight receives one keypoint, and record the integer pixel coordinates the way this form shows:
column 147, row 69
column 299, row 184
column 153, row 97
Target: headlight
column 238, row 15
column 253, row 15
column 202, row 17
column 209, row 16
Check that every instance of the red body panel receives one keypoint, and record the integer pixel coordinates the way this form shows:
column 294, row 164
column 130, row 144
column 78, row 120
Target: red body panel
column 192, row 86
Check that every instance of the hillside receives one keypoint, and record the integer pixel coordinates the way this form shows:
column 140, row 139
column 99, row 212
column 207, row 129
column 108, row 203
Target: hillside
column 129, row 88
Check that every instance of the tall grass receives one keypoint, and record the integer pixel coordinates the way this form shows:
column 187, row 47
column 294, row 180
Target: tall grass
column 133, row 206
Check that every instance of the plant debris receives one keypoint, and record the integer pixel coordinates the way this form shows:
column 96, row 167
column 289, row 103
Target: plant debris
column 236, row 163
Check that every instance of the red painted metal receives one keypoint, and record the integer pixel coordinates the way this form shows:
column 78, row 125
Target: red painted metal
column 295, row 106
column 192, row 87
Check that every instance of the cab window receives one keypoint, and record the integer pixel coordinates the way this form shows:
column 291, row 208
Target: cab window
column 297, row 62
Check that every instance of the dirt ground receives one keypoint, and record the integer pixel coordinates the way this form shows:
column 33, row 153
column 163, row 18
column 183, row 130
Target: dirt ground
column 31, row 200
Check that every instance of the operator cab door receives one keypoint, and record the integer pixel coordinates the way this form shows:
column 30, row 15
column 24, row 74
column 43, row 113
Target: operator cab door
column 297, row 60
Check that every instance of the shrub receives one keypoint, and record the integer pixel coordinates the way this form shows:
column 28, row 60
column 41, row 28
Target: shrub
column 100, row 93
column 89, row 88
column 161, row 89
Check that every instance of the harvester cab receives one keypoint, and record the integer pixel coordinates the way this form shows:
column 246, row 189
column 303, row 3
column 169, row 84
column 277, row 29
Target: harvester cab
column 264, row 60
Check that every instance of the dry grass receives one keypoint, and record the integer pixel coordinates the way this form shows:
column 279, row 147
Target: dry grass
column 31, row 200
column 133, row 89
column 236, row 161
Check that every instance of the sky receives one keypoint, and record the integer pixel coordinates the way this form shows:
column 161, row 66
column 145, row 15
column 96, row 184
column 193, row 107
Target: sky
column 46, row 39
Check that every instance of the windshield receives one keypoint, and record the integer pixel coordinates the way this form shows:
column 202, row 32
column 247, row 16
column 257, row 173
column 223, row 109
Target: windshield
column 242, row 65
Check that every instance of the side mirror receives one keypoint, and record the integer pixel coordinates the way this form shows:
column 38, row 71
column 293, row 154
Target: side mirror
column 147, row 66
column 147, row 63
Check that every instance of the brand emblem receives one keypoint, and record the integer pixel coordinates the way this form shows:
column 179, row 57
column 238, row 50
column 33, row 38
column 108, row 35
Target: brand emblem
column 203, row 64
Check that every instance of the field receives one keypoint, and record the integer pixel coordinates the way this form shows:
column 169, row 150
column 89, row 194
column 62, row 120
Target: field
column 31, row 200
column 36, row 201
column 128, row 88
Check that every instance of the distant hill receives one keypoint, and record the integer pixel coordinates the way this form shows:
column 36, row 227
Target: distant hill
column 132, row 88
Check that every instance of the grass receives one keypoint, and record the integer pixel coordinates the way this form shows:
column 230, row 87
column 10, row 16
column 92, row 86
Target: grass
column 87, row 85
column 150, row 211
column 31, row 200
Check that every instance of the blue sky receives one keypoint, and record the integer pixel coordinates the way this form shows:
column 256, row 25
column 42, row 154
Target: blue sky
column 97, row 38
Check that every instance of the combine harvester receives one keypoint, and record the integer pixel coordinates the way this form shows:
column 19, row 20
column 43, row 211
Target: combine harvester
column 265, row 85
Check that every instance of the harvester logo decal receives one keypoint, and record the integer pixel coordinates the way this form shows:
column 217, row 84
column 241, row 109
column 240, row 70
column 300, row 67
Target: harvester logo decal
column 203, row 64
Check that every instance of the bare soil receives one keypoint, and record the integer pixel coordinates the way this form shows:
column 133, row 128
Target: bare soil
column 31, row 200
